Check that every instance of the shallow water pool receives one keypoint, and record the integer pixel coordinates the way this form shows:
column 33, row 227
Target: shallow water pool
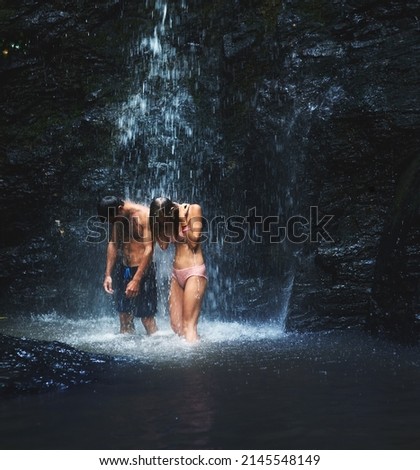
column 244, row 386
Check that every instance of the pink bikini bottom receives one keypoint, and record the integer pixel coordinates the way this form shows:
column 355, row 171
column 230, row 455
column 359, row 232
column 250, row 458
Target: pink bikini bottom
column 181, row 275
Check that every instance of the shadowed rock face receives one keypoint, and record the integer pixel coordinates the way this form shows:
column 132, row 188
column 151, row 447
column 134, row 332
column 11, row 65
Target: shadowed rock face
column 296, row 104
column 29, row 366
column 363, row 168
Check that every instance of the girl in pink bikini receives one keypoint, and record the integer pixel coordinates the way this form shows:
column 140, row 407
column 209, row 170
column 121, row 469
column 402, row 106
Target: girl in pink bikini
column 181, row 224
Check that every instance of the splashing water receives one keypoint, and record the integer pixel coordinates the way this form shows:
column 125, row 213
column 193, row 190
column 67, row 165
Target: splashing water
column 100, row 335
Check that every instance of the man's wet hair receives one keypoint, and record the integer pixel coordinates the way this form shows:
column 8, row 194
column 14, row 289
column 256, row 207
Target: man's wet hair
column 108, row 207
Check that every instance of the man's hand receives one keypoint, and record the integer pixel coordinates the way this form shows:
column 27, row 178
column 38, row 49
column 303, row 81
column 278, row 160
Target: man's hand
column 108, row 285
column 132, row 289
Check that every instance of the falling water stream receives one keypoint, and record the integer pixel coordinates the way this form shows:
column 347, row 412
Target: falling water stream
column 248, row 383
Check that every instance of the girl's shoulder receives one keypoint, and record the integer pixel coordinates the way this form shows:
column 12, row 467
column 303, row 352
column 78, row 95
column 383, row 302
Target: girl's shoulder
column 191, row 208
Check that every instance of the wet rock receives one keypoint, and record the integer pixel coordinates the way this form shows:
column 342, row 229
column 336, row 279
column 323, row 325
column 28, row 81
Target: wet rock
column 29, row 366
column 235, row 43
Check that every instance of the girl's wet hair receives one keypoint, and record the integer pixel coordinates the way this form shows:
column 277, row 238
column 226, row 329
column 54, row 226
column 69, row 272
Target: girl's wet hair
column 164, row 209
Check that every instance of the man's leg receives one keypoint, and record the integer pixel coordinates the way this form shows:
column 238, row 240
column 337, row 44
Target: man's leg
column 126, row 323
column 149, row 324
column 147, row 301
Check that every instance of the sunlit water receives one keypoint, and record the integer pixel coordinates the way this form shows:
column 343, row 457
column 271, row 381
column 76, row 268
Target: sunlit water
column 244, row 386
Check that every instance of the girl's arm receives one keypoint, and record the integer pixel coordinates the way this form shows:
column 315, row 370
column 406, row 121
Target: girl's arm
column 193, row 226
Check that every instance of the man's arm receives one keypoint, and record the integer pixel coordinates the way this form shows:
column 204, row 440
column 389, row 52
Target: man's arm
column 145, row 244
column 111, row 258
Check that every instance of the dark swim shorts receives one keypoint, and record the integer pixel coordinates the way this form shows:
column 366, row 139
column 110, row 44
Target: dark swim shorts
column 145, row 303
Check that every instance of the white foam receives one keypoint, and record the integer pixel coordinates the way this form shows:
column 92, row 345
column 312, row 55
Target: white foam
column 100, row 334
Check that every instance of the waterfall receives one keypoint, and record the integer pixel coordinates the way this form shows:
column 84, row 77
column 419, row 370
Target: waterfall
column 155, row 128
column 171, row 150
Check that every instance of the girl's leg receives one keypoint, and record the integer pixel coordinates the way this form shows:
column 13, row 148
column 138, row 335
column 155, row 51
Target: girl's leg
column 194, row 290
column 175, row 306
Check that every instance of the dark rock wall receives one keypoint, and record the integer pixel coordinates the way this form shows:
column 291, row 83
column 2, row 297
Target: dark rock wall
column 363, row 168
column 58, row 73
column 301, row 103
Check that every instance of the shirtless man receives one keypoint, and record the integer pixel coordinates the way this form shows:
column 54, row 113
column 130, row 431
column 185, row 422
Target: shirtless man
column 135, row 285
